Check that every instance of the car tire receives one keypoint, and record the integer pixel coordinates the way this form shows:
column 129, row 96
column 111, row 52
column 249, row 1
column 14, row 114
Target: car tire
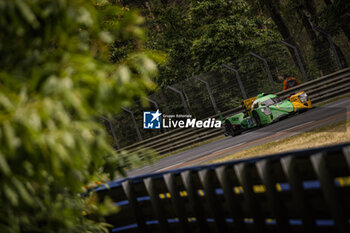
column 257, row 119
column 302, row 110
column 237, row 130
column 229, row 128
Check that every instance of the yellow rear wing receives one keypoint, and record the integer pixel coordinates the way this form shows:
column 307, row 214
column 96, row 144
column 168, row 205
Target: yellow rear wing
column 248, row 103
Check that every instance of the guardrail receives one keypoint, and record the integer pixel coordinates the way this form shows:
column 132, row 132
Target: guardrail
column 319, row 90
column 300, row 191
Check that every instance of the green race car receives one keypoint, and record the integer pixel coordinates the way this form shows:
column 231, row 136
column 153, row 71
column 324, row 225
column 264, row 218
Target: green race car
column 264, row 109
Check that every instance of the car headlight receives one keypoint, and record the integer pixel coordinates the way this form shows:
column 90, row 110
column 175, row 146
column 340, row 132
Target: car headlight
column 266, row 110
column 303, row 97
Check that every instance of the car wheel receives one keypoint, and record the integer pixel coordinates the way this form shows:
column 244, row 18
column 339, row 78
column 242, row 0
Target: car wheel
column 229, row 128
column 303, row 110
column 236, row 130
column 257, row 119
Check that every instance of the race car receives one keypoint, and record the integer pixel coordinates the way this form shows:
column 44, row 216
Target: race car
column 264, row 109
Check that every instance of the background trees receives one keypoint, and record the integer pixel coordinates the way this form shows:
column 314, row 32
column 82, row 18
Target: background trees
column 204, row 33
column 198, row 36
column 223, row 32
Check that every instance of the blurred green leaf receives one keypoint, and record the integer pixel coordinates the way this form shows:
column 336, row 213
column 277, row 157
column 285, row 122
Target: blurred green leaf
column 56, row 80
column 4, row 167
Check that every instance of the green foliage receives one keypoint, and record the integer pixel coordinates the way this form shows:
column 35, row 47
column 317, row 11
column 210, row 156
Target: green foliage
column 225, row 31
column 170, row 31
column 55, row 82
column 333, row 17
column 199, row 36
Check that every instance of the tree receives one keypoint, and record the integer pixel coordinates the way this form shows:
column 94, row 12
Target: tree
column 308, row 12
column 173, row 36
column 273, row 7
column 336, row 16
column 167, row 31
column 224, row 32
column 55, row 82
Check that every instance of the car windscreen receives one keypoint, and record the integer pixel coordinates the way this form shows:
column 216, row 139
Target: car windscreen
column 271, row 101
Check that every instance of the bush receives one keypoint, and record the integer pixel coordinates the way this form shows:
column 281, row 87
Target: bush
column 55, row 82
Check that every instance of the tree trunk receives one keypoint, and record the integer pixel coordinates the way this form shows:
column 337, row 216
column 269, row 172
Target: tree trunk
column 345, row 25
column 322, row 55
column 311, row 19
column 148, row 6
column 346, row 30
column 341, row 55
column 272, row 7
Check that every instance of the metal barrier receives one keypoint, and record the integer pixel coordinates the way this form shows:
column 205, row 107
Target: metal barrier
column 300, row 191
column 321, row 89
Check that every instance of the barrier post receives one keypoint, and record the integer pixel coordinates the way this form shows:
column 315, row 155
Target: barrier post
column 330, row 41
column 267, row 70
column 153, row 102
column 134, row 122
column 210, row 93
column 297, row 55
column 238, row 79
column 112, row 131
column 182, row 98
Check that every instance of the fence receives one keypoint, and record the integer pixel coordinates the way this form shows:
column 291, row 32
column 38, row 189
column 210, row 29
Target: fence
column 258, row 71
column 300, row 191
column 321, row 89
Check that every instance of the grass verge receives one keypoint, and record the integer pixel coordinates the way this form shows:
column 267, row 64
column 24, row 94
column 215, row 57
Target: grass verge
column 332, row 134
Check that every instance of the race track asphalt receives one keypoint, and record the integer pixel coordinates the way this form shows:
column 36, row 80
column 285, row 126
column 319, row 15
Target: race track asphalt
column 313, row 118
